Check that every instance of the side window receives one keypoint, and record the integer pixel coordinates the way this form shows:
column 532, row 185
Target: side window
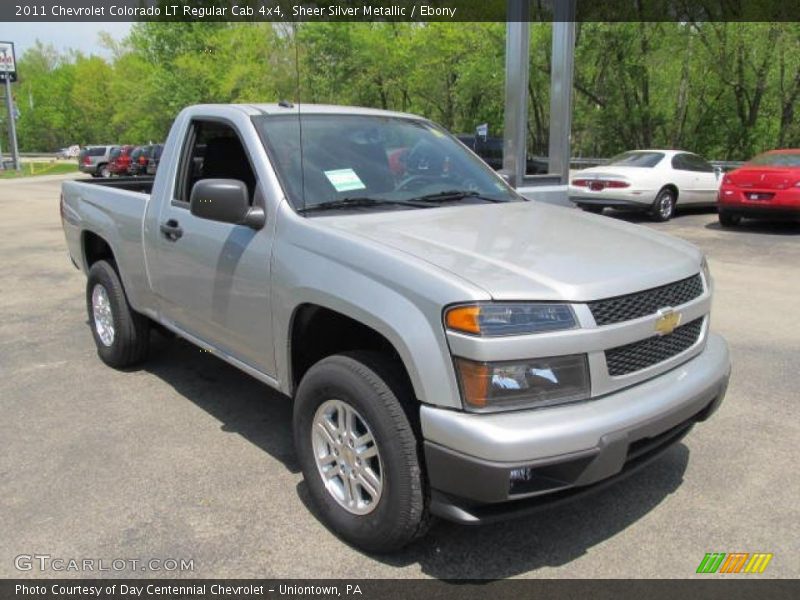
column 212, row 150
column 699, row 164
column 679, row 163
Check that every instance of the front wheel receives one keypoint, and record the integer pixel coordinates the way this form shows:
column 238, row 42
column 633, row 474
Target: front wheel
column 592, row 208
column 358, row 451
column 664, row 206
column 121, row 335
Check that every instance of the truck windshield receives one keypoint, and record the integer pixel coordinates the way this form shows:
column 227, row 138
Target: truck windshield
column 361, row 162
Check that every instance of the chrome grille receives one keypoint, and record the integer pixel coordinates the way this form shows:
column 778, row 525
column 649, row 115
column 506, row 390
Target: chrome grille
column 653, row 350
column 640, row 304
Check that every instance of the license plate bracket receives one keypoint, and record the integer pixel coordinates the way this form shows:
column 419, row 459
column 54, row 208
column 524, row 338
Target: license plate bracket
column 758, row 196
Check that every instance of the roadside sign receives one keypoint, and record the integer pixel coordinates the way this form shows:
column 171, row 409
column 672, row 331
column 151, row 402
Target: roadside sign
column 8, row 63
column 482, row 130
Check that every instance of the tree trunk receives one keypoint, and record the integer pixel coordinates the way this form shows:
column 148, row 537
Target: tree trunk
column 682, row 102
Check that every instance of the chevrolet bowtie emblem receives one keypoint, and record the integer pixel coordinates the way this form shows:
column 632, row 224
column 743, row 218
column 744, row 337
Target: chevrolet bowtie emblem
column 667, row 321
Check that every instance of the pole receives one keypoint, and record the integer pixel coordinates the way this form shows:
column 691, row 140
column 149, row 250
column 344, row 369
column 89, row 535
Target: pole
column 12, row 126
column 561, row 88
column 515, row 142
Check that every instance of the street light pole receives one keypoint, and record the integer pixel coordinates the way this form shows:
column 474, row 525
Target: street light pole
column 12, row 126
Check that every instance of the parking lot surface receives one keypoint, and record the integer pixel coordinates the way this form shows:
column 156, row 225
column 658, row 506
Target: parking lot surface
column 187, row 458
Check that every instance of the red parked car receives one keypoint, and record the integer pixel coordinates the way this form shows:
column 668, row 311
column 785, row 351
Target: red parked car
column 119, row 161
column 766, row 187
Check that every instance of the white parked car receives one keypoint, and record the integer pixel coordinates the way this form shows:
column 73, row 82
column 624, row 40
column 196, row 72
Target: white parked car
column 69, row 152
column 652, row 180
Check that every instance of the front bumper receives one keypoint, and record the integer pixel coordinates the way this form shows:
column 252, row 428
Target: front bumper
column 564, row 450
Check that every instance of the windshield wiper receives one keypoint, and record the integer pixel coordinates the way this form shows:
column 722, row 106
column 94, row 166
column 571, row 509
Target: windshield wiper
column 454, row 195
column 358, row 202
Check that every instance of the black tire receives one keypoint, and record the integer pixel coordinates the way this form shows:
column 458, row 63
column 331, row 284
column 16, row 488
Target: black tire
column 729, row 220
column 663, row 208
column 129, row 341
column 592, row 208
column 102, row 170
column 369, row 383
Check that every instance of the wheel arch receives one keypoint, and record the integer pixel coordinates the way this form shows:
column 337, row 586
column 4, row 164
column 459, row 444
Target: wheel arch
column 95, row 247
column 383, row 320
column 317, row 331
column 673, row 188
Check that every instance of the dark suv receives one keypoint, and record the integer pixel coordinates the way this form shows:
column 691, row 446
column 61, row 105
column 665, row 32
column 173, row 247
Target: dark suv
column 155, row 157
column 490, row 149
column 139, row 159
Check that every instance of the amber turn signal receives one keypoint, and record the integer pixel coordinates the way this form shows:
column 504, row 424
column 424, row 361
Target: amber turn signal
column 464, row 318
column 475, row 379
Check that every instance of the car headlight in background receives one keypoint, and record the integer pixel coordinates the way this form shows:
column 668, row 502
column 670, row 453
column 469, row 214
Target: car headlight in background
column 509, row 318
column 533, row 383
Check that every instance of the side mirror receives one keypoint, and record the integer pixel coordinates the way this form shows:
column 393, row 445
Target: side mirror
column 225, row 200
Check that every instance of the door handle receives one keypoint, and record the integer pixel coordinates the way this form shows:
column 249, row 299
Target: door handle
column 171, row 230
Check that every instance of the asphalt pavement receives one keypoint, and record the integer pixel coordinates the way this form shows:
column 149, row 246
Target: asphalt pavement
column 188, row 459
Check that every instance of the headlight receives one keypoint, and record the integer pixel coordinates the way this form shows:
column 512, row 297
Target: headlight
column 488, row 387
column 509, row 318
column 707, row 273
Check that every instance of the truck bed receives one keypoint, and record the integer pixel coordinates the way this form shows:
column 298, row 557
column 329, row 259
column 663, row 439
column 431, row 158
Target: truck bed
column 112, row 209
column 142, row 185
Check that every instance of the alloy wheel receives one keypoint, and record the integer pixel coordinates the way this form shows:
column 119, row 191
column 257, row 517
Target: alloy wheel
column 103, row 315
column 347, row 457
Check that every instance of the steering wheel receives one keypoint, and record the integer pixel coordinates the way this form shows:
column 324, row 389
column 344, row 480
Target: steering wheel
column 413, row 183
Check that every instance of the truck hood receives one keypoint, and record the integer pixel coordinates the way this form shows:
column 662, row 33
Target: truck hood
column 531, row 250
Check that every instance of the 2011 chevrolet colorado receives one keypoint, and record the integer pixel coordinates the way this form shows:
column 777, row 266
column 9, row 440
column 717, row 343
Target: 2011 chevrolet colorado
column 451, row 347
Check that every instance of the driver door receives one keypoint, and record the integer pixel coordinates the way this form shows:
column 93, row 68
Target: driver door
column 212, row 278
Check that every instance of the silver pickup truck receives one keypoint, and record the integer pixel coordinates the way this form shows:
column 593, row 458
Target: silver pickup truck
column 452, row 348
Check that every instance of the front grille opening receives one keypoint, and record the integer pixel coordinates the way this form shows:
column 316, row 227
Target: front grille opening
column 648, row 302
column 653, row 350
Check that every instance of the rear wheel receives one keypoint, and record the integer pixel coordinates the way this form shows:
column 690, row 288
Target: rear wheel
column 729, row 220
column 592, row 208
column 104, row 171
column 663, row 208
column 358, row 451
column 120, row 334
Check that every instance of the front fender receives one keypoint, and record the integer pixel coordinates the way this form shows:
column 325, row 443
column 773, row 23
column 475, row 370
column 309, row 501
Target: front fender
column 399, row 320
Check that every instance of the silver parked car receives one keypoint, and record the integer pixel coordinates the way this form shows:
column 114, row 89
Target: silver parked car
column 94, row 160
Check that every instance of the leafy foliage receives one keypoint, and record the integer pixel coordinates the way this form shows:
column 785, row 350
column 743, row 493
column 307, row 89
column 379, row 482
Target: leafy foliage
column 727, row 90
